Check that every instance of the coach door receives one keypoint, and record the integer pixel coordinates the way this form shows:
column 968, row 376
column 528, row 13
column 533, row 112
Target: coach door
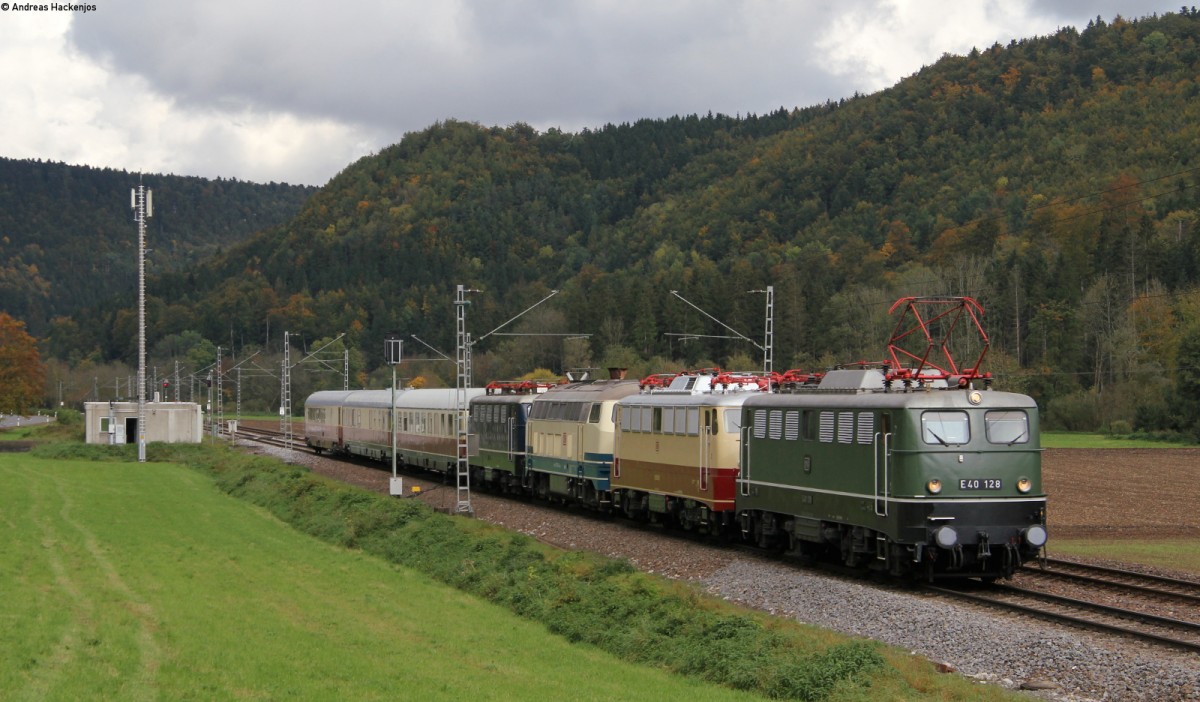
column 882, row 449
column 708, row 430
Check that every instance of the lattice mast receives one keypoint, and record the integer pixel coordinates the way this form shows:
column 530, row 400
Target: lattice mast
column 462, row 382
column 769, row 335
column 285, row 392
column 142, row 202
column 219, row 407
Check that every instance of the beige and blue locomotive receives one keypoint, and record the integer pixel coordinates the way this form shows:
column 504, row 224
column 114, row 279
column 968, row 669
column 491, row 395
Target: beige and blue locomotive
column 931, row 478
column 570, row 441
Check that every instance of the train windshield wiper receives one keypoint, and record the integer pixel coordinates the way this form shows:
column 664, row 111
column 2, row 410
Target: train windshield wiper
column 940, row 440
column 1019, row 436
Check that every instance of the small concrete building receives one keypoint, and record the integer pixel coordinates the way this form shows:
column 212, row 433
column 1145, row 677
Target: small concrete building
column 169, row 422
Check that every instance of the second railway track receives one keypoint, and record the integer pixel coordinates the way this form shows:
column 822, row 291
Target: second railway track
column 1163, row 611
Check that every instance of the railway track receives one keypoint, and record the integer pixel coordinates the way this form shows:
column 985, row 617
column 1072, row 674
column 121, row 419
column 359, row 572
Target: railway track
column 1155, row 587
column 1163, row 611
column 271, row 437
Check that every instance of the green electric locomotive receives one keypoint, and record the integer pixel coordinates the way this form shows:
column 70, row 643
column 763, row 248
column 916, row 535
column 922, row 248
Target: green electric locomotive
column 920, row 471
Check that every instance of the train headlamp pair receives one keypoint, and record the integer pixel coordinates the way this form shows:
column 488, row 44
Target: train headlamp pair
column 934, row 486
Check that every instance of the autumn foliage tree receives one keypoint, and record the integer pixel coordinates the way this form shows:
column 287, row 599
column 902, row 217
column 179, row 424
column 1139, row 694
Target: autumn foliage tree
column 22, row 374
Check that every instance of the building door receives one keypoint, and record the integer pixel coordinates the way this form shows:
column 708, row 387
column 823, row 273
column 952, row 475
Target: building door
column 131, row 430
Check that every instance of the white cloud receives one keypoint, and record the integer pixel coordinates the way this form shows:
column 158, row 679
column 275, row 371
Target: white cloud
column 296, row 90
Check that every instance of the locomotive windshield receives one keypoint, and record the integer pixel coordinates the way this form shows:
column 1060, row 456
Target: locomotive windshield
column 1006, row 427
column 945, row 428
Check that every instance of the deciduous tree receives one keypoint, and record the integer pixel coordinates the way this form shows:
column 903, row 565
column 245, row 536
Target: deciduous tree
column 22, row 373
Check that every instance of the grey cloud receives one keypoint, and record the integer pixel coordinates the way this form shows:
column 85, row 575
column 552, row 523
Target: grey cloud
column 400, row 66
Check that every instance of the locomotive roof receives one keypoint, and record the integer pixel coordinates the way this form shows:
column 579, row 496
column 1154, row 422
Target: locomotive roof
column 505, row 399
column 894, row 399
column 591, row 391
column 704, row 399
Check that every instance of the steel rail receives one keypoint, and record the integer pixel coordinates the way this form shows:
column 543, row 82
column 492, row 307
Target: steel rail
column 1192, row 588
column 1081, row 621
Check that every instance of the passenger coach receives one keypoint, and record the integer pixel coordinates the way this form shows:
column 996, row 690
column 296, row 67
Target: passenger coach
column 358, row 422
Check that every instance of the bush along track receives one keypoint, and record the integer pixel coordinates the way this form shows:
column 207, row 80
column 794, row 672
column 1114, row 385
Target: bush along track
column 581, row 596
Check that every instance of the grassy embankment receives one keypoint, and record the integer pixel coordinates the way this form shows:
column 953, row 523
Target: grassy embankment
column 127, row 581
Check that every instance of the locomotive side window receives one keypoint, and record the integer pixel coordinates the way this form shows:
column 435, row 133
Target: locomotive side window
column 845, row 427
column 791, row 425
column 594, row 414
column 733, row 421
column 1006, row 427
column 944, row 427
column 866, row 428
column 775, row 428
column 808, row 422
column 827, row 425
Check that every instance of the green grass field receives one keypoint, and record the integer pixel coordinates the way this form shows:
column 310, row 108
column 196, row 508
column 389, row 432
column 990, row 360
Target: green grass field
column 131, row 581
column 1063, row 439
column 1173, row 554
column 141, row 581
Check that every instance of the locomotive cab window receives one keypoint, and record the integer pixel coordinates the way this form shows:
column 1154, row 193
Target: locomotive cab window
column 945, row 428
column 733, row 421
column 1006, row 427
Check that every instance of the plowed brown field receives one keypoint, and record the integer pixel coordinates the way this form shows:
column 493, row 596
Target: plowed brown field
column 1122, row 493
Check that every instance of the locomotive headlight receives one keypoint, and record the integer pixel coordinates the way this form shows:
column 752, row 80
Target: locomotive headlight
column 1024, row 485
column 1036, row 536
column 934, row 486
column 946, row 537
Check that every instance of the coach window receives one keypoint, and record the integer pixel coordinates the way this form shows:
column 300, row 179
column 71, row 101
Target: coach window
column 944, row 427
column 646, row 419
column 1006, row 427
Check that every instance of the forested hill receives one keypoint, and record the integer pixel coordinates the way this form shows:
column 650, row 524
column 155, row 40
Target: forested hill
column 67, row 236
column 1054, row 179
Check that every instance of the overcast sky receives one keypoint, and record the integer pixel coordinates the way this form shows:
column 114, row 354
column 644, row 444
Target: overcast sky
column 294, row 91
